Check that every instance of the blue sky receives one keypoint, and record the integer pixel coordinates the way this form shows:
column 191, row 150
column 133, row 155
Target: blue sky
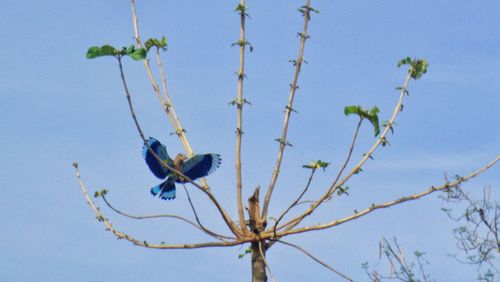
column 58, row 107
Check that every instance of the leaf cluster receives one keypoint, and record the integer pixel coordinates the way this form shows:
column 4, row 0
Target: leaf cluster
column 371, row 115
column 155, row 42
column 317, row 164
column 108, row 50
column 417, row 67
column 100, row 193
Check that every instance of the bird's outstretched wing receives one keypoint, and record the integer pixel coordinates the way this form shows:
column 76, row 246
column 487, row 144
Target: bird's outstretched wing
column 154, row 165
column 200, row 165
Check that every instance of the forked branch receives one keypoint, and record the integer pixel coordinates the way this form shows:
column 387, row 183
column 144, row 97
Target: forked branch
column 336, row 184
column 174, row 216
column 432, row 189
column 294, row 203
column 230, row 223
column 120, row 235
column 166, row 102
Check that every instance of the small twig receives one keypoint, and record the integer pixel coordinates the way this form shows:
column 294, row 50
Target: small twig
column 288, row 111
column 120, row 235
column 218, row 236
column 399, row 258
column 421, row 269
column 291, row 224
column 202, row 227
column 334, row 185
column 296, row 201
column 315, row 259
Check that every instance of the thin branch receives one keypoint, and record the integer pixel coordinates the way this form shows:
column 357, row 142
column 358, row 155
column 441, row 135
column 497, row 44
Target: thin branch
column 349, row 155
column 296, row 201
column 166, row 103
column 239, row 121
column 432, row 189
column 218, row 236
column 315, row 259
column 208, row 231
column 288, row 110
column 400, row 258
column 294, row 222
column 232, row 226
column 120, row 235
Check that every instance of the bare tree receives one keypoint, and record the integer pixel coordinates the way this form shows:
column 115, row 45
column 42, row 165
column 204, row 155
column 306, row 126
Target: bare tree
column 399, row 268
column 476, row 239
column 254, row 227
column 478, row 234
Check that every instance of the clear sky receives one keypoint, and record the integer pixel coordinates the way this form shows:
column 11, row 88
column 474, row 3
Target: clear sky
column 58, row 107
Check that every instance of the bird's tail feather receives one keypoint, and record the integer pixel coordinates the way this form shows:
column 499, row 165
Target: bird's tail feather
column 166, row 190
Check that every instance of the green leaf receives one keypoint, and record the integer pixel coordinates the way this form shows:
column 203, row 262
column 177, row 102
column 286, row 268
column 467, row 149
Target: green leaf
column 373, row 118
column 317, row 164
column 100, row 193
column 108, row 50
column 154, row 42
column 105, row 50
column 163, row 42
column 149, row 43
column 349, row 110
column 129, row 50
column 404, row 61
column 138, row 54
column 93, row 52
column 240, row 8
column 247, row 251
column 418, row 68
column 371, row 115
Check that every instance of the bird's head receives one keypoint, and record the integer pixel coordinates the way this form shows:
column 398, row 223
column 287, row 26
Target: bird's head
column 179, row 159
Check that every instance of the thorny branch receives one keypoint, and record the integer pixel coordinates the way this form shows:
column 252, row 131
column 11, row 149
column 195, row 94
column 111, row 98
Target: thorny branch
column 288, row 109
column 239, row 129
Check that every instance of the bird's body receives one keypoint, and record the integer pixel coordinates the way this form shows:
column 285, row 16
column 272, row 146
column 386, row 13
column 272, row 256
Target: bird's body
column 192, row 168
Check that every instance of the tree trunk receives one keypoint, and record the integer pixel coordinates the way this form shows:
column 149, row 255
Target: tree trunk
column 258, row 264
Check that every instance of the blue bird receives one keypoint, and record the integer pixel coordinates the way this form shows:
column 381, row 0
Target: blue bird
column 197, row 166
